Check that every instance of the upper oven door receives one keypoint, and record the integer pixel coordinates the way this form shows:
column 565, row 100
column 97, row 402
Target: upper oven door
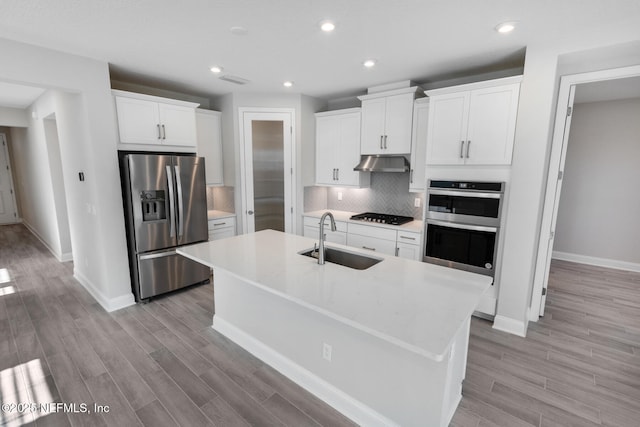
column 470, row 207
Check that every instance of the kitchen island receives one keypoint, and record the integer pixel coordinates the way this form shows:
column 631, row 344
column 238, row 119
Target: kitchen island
column 384, row 346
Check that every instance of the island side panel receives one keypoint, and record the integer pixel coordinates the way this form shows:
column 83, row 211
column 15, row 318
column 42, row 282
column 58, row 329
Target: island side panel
column 370, row 380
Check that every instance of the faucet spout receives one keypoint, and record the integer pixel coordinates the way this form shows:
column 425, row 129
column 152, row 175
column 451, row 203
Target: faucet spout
column 323, row 236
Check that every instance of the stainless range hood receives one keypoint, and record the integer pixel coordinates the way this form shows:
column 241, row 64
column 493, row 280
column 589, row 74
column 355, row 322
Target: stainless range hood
column 382, row 163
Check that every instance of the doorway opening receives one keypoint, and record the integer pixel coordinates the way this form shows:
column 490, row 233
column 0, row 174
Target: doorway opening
column 562, row 130
column 267, row 168
column 8, row 205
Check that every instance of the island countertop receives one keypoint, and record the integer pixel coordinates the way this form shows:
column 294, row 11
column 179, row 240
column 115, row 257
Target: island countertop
column 415, row 305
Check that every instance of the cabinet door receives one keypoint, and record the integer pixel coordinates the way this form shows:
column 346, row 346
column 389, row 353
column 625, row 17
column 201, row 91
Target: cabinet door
column 492, row 120
column 178, row 125
column 347, row 151
column 138, row 121
column 398, row 119
column 210, row 145
column 371, row 243
column 407, row 251
column 373, row 126
column 447, row 131
column 417, row 174
column 327, row 137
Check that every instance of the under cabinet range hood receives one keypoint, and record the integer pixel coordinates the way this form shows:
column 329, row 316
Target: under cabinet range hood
column 382, row 163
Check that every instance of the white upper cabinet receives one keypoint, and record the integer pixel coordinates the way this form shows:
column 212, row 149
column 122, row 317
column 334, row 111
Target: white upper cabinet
column 209, row 132
column 473, row 123
column 338, row 149
column 144, row 119
column 386, row 121
column 417, row 174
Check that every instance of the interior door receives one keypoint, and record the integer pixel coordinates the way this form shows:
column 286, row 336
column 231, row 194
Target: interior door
column 554, row 186
column 7, row 196
column 268, row 171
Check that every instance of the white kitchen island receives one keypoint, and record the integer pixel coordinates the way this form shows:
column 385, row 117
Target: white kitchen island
column 385, row 346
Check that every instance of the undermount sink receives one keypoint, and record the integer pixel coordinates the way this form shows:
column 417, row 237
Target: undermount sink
column 344, row 258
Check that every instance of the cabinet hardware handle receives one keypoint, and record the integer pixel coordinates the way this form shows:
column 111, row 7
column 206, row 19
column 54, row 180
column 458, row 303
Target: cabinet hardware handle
column 164, row 133
column 338, row 174
column 381, row 147
column 369, row 249
column 411, row 177
column 397, row 251
column 408, row 238
column 385, row 142
column 221, row 223
column 159, row 134
column 468, row 145
column 461, row 149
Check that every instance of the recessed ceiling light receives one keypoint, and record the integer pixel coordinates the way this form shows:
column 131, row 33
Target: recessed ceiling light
column 327, row 26
column 216, row 69
column 369, row 63
column 505, row 27
column 287, row 84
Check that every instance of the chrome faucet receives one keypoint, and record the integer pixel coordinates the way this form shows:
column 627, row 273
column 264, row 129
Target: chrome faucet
column 322, row 235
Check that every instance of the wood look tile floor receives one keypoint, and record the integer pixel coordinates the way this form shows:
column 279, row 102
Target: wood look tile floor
column 160, row 364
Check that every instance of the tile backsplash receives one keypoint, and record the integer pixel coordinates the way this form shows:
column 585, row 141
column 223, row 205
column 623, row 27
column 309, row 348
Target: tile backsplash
column 388, row 193
column 221, row 199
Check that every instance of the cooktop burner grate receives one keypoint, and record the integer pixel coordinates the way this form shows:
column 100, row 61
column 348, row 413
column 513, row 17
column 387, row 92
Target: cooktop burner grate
column 382, row 218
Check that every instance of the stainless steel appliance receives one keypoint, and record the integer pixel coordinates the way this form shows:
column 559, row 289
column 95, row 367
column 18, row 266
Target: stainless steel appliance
column 462, row 224
column 165, row 207
column 382, row 218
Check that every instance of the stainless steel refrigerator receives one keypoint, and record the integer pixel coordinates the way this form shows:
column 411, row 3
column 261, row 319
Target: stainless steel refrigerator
column 165, row 207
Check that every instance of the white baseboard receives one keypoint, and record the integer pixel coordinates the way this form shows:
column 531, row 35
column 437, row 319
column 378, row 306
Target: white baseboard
column 599, row 262
column 109, row 304
column 342, row 402
column 512, row 326
column 61, row 257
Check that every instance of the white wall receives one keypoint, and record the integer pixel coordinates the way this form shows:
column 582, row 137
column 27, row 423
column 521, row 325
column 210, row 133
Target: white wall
column 537, row 106
column 599, row 207
column 86, row 124
column 13, row 117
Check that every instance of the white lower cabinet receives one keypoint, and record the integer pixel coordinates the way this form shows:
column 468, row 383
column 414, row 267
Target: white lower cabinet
column 401, row 243
column 409, row 245
column 372, row 238
column 222, row 228
column 312, row 230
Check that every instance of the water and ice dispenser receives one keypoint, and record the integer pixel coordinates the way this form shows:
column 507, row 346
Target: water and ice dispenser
column 154, row 207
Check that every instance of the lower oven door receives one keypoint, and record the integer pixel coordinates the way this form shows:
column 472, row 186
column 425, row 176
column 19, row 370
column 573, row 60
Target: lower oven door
column 461, row 246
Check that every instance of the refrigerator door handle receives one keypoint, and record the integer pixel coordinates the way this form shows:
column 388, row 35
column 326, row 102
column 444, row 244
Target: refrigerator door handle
column 172, row 203
column 180, row 203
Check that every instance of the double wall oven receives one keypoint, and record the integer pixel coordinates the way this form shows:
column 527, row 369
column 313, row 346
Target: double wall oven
column 462, row 224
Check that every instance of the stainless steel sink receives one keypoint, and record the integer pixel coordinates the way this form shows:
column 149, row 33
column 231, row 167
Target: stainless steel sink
column 347, row 259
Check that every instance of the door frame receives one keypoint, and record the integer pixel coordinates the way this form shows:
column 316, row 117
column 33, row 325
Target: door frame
column 246, row 115
column 554, row 181
column 5, row 147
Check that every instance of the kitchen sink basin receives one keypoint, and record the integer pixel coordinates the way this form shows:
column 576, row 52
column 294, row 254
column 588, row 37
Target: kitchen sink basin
column 344, row 258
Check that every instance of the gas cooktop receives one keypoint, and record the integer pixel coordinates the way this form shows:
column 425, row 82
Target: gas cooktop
column 382, row 218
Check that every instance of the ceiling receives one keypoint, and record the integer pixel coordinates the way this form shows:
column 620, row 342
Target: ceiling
column 172, row 44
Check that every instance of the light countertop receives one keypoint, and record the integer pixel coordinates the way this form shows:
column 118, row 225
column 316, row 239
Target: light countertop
column 412, row 304
column 415, row 226
column 215, row 214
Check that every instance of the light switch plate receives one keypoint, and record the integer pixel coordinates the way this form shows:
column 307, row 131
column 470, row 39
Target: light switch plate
column 339, row 195
column 416, row 202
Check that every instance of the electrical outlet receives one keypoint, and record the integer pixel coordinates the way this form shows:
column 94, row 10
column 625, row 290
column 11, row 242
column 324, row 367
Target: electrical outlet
column 416, row 202
column 326, row 352
column 339, row 195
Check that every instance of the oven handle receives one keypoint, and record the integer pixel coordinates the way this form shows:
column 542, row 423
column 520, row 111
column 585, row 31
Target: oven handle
column 465, row 194
column 463, row 226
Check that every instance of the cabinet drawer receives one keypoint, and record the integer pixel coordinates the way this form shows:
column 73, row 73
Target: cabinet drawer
column 315, row 222
column 408, row 237
column 372, row 231
column 215, row 224
column 221, row 233
column 373, row 244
